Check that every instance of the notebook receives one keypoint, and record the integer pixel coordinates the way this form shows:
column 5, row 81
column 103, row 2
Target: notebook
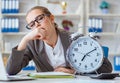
column 5, row 77
column 51, row 75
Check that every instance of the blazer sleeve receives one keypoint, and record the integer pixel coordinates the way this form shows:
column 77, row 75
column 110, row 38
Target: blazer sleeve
column 106, row 67
column 17, row 60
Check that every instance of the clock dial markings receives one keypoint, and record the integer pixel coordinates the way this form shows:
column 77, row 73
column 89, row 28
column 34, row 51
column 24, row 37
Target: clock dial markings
column 75, row 60
column 79, row 64
column 79, row 45
column 98, row 54
column 84, row 43
column 79, row 51
column 88, row 53
column 91, row 43
column 75, row 49
column 91, row 64
column 96, row 60
column 85, row 66
column 73, row 54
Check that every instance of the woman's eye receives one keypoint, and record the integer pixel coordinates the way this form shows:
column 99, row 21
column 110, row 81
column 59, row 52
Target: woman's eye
column 40, row 18
column 32, row 24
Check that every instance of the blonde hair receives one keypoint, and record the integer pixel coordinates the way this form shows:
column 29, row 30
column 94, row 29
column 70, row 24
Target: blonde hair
column 41, row 8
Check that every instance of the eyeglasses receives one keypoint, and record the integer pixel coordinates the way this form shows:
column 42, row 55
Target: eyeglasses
column 38, row 19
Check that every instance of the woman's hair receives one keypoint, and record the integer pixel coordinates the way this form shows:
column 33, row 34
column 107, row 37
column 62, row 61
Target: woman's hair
column 41, row 8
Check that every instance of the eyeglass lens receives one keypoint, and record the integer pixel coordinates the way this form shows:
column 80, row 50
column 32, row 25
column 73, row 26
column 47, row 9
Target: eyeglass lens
column 38, row 19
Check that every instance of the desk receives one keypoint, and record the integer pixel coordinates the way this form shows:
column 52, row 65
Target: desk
column 79, row 79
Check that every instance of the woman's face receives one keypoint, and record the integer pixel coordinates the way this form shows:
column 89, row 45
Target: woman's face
column 37, row 19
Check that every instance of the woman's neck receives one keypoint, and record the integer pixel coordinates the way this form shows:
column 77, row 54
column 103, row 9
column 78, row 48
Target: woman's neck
column 52, row 40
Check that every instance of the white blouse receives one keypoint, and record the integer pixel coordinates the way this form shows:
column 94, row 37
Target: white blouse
column 56, row 54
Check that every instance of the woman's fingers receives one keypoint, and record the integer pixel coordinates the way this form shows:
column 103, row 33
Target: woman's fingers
column 38, row 33
column 42, row 33
column 63, row 69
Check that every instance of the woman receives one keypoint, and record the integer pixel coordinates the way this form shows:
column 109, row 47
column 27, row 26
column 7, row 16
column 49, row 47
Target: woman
column 46, row 45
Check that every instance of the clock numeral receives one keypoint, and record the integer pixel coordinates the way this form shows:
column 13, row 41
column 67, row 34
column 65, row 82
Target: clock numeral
column 85, row 43
column 73, row 55
column 98, row 54
column 91, row 64
column 96, row 60
column 79, row 64
column 75, row 60
column 75, row 49
column 91, row 43
column 79, row 45
column 85, row 66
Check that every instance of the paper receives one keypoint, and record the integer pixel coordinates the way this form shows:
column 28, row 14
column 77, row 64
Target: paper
column 51, row 75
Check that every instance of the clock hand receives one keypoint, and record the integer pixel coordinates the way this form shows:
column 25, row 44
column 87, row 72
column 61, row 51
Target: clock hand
column 87, row 54
column 83, row 58
column 91, row 51
column 83, row 53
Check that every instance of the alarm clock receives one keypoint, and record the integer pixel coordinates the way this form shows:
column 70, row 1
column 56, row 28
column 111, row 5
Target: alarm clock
column 85, row 54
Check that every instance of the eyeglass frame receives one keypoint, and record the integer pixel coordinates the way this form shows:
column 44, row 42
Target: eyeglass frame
column 37, row 20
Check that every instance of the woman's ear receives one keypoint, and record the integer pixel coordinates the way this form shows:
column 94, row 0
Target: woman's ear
column 52, row 18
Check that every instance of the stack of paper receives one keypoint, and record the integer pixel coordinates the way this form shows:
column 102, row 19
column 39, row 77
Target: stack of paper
column 51, row 75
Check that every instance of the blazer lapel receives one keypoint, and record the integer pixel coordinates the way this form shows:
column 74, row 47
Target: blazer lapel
column 65, row 42
column 44, row 59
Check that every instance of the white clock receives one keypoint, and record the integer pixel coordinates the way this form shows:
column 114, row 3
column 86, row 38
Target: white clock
column 85, row 54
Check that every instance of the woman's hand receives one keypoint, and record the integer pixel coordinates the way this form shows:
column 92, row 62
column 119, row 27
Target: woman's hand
column 37, row 33
column 65, row 70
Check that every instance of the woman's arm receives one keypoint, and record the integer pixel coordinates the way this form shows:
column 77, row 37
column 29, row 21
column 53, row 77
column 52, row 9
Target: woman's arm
column 17, row 60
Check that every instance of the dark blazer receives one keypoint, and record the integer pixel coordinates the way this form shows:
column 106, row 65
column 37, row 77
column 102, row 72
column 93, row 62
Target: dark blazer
column 35, row 51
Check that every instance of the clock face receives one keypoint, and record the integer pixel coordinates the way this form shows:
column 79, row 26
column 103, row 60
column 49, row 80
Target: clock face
column 85, row 54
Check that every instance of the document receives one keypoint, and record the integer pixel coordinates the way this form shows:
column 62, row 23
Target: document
column 51, row 75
